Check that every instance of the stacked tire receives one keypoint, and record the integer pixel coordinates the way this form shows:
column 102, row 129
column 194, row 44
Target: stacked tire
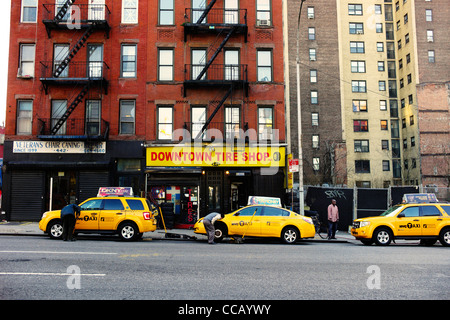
column 168, row 214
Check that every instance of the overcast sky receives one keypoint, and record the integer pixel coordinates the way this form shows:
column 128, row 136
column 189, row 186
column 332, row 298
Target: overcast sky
column 5, row 9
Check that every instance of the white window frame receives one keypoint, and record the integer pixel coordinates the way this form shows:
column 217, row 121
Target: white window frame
column 125, row 7
column 32, row 62
column 24, row 120
column 26, row 5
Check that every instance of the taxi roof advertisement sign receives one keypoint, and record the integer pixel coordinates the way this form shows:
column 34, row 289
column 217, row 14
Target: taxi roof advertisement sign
column 419, row 198
column 115, row 191
column 276, row 202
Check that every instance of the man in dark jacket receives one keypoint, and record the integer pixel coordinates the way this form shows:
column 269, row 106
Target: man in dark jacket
column 69, row 215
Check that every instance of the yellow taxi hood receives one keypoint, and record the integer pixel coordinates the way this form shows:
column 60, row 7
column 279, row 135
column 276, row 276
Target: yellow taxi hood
column 374, row 218
column 53, row 213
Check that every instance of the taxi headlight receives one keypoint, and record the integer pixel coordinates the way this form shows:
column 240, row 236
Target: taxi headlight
column 307, row 219
column 364, row 224
column 44, row 215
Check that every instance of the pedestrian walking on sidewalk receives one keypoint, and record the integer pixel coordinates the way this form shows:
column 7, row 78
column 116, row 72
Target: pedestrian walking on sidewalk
column 208, row 222
column 333, row 218
column 69, row 215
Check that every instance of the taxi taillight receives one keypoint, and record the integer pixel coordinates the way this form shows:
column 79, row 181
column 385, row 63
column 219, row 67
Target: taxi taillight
column 147, row 215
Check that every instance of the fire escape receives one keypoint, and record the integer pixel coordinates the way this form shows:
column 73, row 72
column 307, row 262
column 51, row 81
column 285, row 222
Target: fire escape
column 224, row 23
column 67, row 71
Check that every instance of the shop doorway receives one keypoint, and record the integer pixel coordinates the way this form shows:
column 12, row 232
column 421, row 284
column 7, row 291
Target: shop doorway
column 61, row 189
column 214, row 191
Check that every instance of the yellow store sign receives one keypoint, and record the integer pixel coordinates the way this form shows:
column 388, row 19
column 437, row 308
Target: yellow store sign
column 213, row 156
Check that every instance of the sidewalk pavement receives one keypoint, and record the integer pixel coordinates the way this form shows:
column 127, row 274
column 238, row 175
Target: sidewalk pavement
column 24, row 228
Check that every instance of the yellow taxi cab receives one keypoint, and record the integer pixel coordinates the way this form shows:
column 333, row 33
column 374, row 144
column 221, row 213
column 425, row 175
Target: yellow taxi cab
column 113, row 211
column 262, row 221
column 419, row 217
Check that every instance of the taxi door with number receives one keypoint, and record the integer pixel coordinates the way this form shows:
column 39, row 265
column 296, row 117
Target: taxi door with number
column 112, row 213
column 272, row 221
column 247, row 221
column 89, row 214
column 430, row 218
column 409, row 222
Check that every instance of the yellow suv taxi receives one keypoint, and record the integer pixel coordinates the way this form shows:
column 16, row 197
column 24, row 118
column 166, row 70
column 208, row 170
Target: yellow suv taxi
column 262, row 221
column 129, row 217
column 417, row 218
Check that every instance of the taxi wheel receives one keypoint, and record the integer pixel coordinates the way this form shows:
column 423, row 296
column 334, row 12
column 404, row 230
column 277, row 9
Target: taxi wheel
column 128, row 231
column 289, row 235
column 382, row 237
column 221, row 232
column 55, row 229
column 444, row 237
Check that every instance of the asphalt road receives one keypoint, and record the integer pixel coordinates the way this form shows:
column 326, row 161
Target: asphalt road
column 99, row 268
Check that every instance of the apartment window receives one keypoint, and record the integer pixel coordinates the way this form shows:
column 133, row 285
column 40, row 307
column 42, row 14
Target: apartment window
column 410, row 99
column 413, row 141
column 362, row 166
column 382, row 85
column 380, row 65
column 312, row 54
column 24, row 117
column 401, row 83
column 165, row 64
column 378, row 27
column 358, row 66
column 409, row 78
column 263, row 13
column 359, row 105
column 357, row 47
column 315, row 141
column 399, row 44
column 361, row 145
column 232, row 122
column 383, row 105
column 413, row 163
column 384, row 144
column 127, row 116
column 406, row 38
column 130, row 11
column 311, row 33
column 398, row 25
column 231, row 61
column 316, row 163
column 400, row 63
column 27, row 57
column 59, row 107
column 428, row 15
column 29, row 11
column 265, row 123
column 405, row 164
column 314, row 97
column 165, row 123
column 430, row 35
column 403, row 123
column 264, row 61
column 405, row 18
column 356, row 28
column 198, row 120
column 93, row 117
column 313, row 76
column 411, row 120
column 129, row 61
column 314, row 119
column 431, row 57
column 378, row 9
column 408, row 58
column 311, row 13
column 383, row 124
column 358, row 86
column 166, row 12
column 360, row 125
column 386, row 165
column 380, row 46
column 355, row 9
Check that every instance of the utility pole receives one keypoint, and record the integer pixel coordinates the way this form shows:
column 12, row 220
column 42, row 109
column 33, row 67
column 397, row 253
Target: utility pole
column 299, row 121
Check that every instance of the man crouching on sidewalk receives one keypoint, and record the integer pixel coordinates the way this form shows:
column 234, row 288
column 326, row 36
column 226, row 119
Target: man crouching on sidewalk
column 208, row 222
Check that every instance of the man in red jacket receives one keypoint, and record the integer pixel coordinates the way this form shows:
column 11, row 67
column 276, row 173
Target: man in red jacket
column 333, row 218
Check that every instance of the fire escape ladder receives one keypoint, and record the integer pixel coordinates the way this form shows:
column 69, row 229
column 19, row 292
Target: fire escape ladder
column 219, row 105
column 80, row 43
column 207, row 10
column 70, row 109
column 63, row 10
column 216, row 53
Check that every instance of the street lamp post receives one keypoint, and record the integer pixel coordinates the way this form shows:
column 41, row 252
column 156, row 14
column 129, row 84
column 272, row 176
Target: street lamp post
column 299, row 120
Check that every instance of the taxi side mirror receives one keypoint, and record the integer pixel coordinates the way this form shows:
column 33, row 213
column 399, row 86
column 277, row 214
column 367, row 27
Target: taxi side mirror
column 401, row 215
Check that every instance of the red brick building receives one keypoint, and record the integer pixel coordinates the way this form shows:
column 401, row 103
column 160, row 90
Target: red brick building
column 95, row 87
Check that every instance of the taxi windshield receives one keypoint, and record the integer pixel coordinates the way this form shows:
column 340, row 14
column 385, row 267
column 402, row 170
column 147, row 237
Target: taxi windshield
column 392, row 211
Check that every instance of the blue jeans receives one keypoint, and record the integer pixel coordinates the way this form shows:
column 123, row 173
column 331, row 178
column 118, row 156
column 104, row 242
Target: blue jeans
column 332, row 226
